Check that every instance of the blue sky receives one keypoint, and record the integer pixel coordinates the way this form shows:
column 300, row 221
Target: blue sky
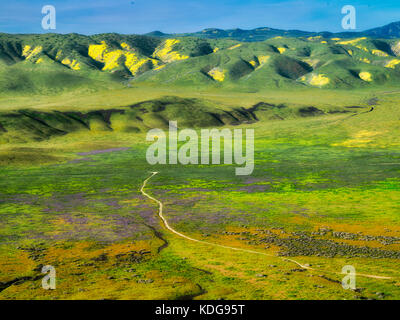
column 141, row 16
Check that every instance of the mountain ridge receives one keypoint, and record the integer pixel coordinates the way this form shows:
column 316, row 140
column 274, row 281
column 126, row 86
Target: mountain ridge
column 55, row 62
column 389, row 31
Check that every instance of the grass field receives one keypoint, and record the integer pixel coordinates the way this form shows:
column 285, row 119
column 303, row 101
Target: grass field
column 325, row 192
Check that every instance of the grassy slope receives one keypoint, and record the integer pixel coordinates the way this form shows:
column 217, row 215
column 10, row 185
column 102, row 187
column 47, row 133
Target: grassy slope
column 287, row 61
column 55, row 64
column 32, row 125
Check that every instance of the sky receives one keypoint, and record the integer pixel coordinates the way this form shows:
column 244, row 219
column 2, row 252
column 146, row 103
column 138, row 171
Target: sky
column 178, row 16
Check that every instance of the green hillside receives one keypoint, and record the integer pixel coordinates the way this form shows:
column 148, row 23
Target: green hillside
column 289, row 62
column 30, row 125
column 26, row 125
column 53, row 63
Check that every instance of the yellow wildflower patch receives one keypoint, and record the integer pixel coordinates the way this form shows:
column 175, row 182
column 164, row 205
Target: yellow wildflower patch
column 365, row 60
column 73, row 64
column 366, row 76
column 263, row 59
column 319, row 80
column 281, row 50
column 96, row 51
column 215, row 49
column 159, row 67
column 29, row 53
column 379, row 53
column 217, row 74
column 359, row 139
column 35, row 52
column 40, row 60
column 366, row 134
column 259, row 61
column 58, row 55
column 253, row 63
column 133, row 62
column 336, row 39
column 26, row 50
column 125, row 46
column 351, row 42
column 350, row 52
column 66, row 61
column 235, row 46
column 393, row 63
column 112, row 58
column 324, row 42
column 166, row 54
column 14, row 264
column 362, row 48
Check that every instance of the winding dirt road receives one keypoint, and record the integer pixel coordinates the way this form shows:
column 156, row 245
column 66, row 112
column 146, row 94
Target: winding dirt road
column 168, row 227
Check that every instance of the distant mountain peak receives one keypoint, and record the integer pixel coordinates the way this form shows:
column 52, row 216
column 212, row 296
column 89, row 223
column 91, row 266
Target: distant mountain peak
column 157, row 33
column 391, row 30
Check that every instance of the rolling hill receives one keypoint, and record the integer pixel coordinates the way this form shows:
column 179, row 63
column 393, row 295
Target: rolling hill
column 25, row 125
column 52, row 63
column 31, row 125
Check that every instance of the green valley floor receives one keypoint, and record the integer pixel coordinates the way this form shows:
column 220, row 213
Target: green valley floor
column 324, row 194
